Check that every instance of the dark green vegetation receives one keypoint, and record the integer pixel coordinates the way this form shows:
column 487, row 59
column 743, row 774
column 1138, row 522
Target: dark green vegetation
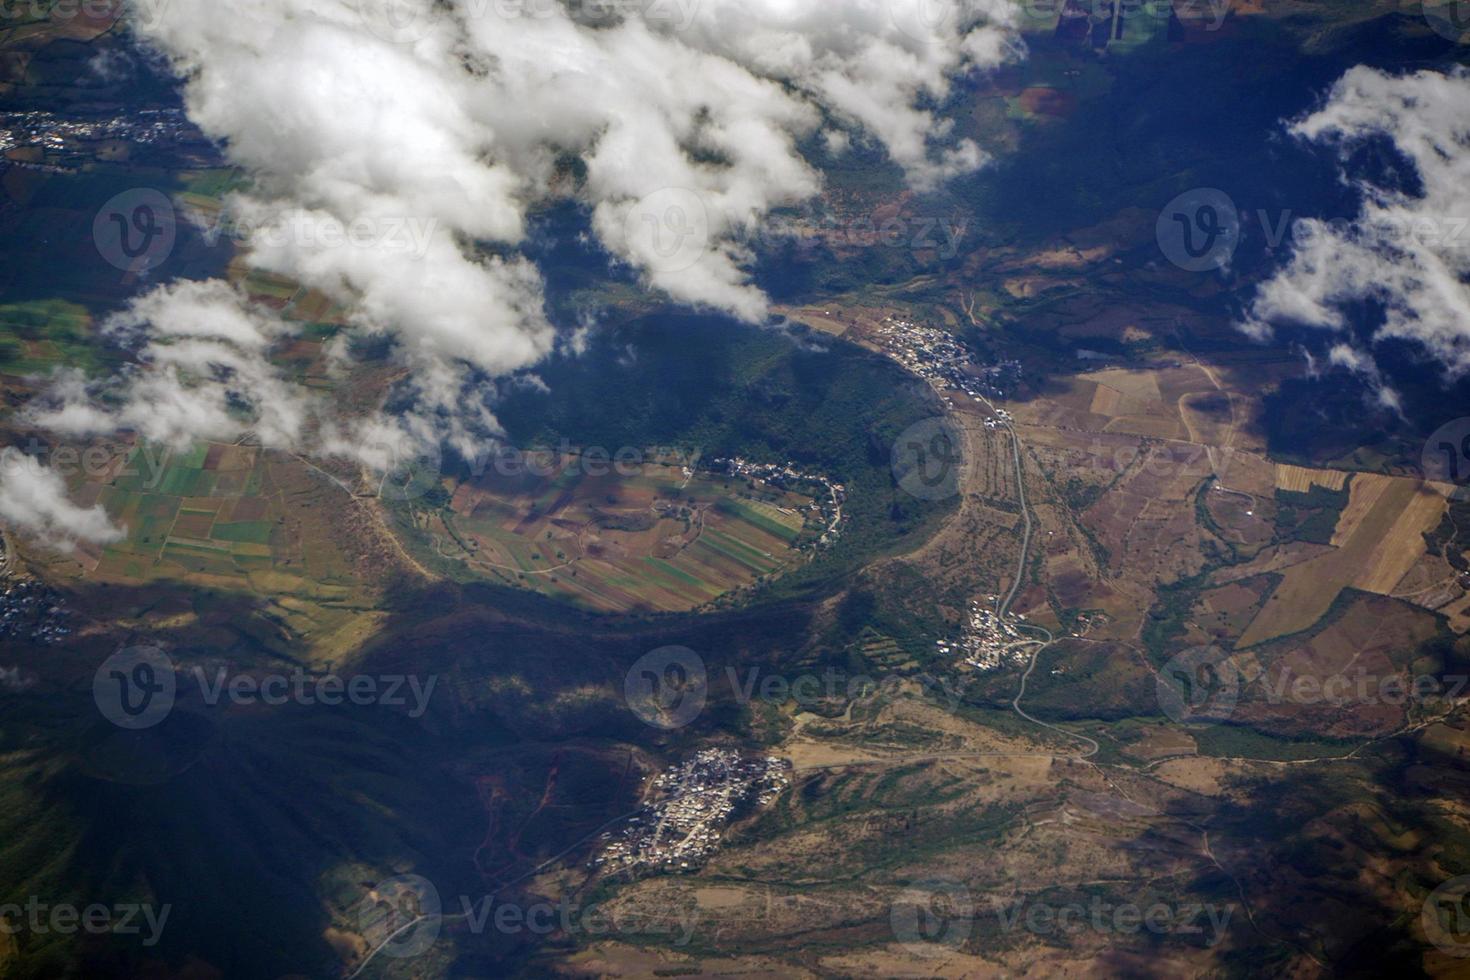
column 724, row 390
column 1310, row 516
column 228, row 820
column 262, row 828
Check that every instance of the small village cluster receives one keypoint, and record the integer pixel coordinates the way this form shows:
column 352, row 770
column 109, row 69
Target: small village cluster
column 52, row 132
column 699, row 798
column 31, row 611
column 1001, row 420
column 828, row 496
column 944, row 361
column 987, row 640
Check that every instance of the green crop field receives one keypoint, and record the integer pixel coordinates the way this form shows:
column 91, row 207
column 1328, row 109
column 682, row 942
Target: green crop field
column 228, row 521
column 655, row 540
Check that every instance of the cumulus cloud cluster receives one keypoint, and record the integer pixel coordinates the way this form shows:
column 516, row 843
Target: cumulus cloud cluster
column 676, row 123
column 466, row 114
column 1408, row 248
column 34, row 497
column 201, row 368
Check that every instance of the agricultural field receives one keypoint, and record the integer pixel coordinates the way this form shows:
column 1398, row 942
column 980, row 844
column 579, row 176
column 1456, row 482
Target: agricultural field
column 235, row 524
column 39, row 336
column 1301, row 479
column 656, row 537
column 1377, row 540
column 1364, row 649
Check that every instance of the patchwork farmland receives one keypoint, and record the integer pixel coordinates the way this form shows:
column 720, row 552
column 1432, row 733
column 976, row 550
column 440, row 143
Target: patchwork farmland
column 1377, row 540
column 238, row 524
column 661, row 539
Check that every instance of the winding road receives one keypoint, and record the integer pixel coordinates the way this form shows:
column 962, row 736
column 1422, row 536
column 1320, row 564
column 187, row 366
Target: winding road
column 1003, row 607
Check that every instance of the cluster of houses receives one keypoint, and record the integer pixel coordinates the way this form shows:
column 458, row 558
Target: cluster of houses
column 60, row 134
column 699, row 798
column 944, row 361
column 987, row 639
column 1001, row 420
column 32, row 611
column 827, row 495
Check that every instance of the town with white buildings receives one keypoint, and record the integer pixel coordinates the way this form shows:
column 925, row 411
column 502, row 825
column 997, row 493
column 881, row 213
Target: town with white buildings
column 698, row 799
column 827, row 495
column 31, row 611
column 946, row 362
column 987, row 639
column 59, row 134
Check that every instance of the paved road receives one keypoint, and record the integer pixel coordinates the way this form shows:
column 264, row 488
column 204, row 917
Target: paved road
column 1005, row 604
column 1026, row 514
column 1016, row 702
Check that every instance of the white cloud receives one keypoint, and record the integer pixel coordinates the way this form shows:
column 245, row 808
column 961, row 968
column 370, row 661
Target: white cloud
column 33, row 500
column 454, row 119
column 1408, row 250
column 464, row 113
column 201, row 373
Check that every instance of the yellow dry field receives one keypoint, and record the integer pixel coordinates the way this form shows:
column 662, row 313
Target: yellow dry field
column 1142, row 385
column 1458, row 613
column 1131, row 402
column 1107, row 401
column 1299, row 479
column 1159, row 742
column 1113, row 403
column 1403, row 544
column 1149, row 427
column 1378, row 539
column 825, row 322
column 1367, row 490
column 1244, row 471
